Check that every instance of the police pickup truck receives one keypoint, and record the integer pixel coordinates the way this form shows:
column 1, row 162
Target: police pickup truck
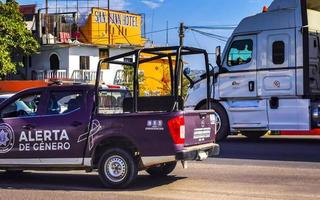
column 86, row 127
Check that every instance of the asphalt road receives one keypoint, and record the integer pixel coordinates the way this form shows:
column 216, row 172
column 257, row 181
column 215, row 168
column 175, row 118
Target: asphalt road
column 268, row 168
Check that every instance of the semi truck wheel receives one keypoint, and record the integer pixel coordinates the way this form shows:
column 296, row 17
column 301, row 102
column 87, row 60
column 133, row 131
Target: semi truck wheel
column 117, row 168
column 253, row 134
column 223, row 129
column 163, row 169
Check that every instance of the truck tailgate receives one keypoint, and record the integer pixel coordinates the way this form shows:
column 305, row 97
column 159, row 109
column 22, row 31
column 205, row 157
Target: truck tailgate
column 200, row 127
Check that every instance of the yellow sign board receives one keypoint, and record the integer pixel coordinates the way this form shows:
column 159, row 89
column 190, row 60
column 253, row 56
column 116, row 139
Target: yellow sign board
column 125, row 28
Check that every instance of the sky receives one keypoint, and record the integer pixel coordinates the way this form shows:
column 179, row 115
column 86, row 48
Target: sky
column 190, row 12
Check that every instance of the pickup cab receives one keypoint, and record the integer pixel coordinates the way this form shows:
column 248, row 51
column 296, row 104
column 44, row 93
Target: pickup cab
column 88, row 127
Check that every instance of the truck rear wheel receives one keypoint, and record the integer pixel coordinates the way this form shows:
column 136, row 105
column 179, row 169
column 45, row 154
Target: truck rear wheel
column 222, row 120
column 253, row 134
column 163, row 169
column 117, row 168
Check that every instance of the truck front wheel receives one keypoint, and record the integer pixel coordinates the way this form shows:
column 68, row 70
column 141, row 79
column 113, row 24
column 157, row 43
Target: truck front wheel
column 222, row 120
column 117, row 168
column 162, row 169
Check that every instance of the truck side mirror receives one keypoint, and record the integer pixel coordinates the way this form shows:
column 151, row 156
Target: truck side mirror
column 218, row 56
column 186, row 71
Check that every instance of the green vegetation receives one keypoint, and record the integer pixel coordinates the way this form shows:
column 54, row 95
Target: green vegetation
column 15, row 39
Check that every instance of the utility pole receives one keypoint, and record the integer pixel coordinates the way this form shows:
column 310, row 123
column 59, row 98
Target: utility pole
column 181, row 33
column 109, row 27
column 167, row 34
column 47, row 23
column 181, row 42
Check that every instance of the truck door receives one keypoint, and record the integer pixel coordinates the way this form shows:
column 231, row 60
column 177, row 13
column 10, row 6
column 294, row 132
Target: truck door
column 66, row 118
column 278, row 75
column 18, row 120
column 277, row 67
column 238, row 86
column 240, row 62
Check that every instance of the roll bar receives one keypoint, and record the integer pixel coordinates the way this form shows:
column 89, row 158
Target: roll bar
column 157, row 53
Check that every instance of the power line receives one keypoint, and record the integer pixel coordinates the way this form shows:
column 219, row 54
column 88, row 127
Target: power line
column 212, row 35
column 218, row 27
column 195, row 38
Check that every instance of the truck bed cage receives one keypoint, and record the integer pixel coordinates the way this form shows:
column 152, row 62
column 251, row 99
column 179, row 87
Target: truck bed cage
column 154, row 54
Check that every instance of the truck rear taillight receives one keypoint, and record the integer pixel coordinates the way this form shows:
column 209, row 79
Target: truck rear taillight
column 114, row 86
column 177, row 129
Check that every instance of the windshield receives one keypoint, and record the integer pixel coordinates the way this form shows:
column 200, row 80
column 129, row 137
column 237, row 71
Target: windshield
column 196, row 66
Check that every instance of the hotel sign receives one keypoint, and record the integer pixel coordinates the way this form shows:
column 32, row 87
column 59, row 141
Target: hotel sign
column 118, row 18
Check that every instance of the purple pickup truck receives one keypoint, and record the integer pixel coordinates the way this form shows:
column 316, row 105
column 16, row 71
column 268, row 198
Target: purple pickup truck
column 117, row 133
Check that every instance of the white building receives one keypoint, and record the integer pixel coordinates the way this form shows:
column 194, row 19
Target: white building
column 76, row 62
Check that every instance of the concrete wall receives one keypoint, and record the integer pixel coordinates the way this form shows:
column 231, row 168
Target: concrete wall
column 41, row 61
column 76, row 52
column 109, row 75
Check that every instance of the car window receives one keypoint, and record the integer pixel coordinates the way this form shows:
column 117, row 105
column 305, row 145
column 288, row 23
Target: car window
column 111, row 101
column 240, row 52
column 278, row 52
column 22, row 107
column 62, row 102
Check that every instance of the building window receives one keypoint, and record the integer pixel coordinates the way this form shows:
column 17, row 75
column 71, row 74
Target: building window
column 54, row 62
column 278, row 52
column 84, row 62
column 104, row 53
column 240, row 52
column 30, row 61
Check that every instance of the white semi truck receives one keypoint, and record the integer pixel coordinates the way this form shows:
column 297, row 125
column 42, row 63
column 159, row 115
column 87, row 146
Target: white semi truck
column 268, row 77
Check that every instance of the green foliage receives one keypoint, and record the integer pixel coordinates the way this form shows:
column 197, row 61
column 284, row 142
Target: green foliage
column 15, row 39
column 185, row 87
column 128, row 78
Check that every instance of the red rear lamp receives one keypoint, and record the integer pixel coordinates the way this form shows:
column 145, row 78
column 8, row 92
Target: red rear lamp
column 113, row 86
column 177, row 129
column 265, row 9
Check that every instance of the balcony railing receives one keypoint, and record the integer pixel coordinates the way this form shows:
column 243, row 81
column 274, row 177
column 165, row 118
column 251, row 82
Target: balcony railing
column 76, row 76
column 49, row 74
column 85, row 75
column 124, row 77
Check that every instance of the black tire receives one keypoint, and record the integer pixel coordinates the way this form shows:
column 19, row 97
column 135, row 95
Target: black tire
column 162, row 170
column 117, row 168
column 253, row 135
column 224, row 128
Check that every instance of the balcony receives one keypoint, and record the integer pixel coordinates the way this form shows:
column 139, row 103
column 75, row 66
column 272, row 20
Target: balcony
column 49, row 74
column 79, row 76
column 85, row 75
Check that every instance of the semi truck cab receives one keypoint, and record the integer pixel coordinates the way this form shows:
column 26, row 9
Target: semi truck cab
column 269, row 73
